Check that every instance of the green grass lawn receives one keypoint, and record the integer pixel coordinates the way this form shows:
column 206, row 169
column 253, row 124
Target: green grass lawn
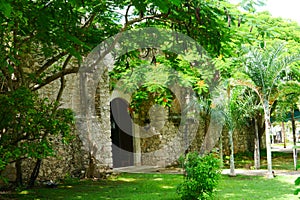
column 126, row 186
column 163, row 186
column 254, row 187
column 280, row 161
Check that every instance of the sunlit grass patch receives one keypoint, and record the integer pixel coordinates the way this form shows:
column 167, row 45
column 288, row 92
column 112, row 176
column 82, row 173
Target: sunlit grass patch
column 126, row 179
column 162, row 187
column 258, row 188
column 167, row 187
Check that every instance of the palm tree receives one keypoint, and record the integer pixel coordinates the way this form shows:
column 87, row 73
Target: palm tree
column 262, row 68
column 249, row 108
column 234, row 111
column 289, row 95
column 231, row 125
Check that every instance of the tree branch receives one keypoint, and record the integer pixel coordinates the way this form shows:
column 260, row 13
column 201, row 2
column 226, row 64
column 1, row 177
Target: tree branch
column 50, row 62
column 62, row 79
column 54, row 77
column 135, row 20
column 89, row 21
column 138, row 19
column 126, row 14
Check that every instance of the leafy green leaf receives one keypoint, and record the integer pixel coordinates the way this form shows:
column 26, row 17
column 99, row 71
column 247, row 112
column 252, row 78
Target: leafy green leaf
column 5, row 8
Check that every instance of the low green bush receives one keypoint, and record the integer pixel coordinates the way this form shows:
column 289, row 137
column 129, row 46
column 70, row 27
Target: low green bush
column 201, row 176
column 297, row 183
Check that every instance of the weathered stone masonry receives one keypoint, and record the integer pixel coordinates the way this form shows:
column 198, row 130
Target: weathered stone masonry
column 94, row 139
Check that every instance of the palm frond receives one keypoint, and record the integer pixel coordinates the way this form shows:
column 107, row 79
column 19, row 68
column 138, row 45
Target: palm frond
column 263, row 66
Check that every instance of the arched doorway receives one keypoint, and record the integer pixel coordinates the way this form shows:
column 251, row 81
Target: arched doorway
column 121, row 133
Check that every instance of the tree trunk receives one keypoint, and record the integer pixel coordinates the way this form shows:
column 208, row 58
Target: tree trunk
column 294, row 139
column 19, row 179
column 91, row 170
column 221, row 150
column 268, row 138
column 256, row 147
column 283, row 134
column 232, row 170
column 34, row 173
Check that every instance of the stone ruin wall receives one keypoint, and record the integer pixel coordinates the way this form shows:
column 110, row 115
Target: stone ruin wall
column 173, row 149
column 165, row 149
column 73, row 159
column 156, row 150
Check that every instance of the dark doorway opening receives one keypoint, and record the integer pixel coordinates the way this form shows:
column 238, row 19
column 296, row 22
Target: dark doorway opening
column 121, row 133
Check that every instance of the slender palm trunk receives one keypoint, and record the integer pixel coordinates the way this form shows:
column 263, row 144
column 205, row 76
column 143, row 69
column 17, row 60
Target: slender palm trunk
column 232, row 170
column 268, row 137
column 283, row 134
column 221, row 150
column 256, row 147
column 294, row 139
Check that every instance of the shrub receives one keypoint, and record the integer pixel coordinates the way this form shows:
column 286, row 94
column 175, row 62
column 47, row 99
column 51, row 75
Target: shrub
column 201, row 176
column 297, row 183
column 27, row 124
